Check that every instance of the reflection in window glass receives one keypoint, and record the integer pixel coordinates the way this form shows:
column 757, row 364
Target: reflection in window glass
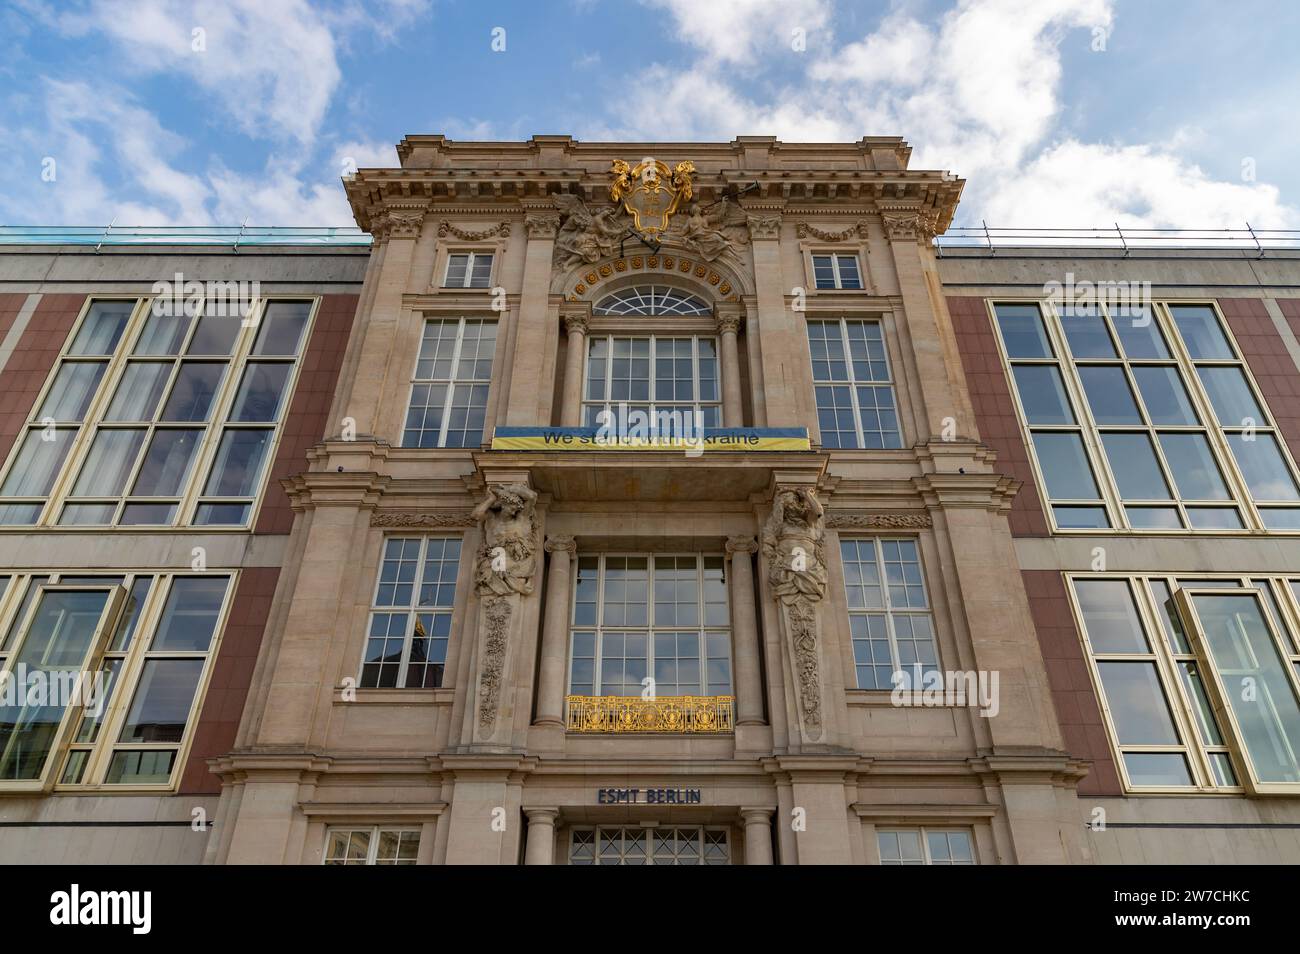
column 1042, row 394
column 1261, row 463
column 1198, row 326
column 1133, row 462
column 1065, row 466
column 73, row 387
column 237, row 470
column 102, row 328
column 1109, row 397
column 1023, row 334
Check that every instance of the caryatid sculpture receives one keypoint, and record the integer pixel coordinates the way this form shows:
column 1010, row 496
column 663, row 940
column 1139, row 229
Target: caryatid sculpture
column 507, row 558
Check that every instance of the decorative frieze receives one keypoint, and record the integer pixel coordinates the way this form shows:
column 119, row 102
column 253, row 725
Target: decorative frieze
column 879, row 520
column 910, row 224
column 496, row 641
column 804, row 230
column 414, row 519
column 445, row 228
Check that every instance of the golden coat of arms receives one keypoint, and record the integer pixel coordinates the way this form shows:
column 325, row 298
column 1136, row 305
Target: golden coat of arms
column 650, row 192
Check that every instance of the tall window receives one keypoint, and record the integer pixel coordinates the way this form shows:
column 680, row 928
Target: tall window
column 659, row 617
column 450, row 389
column 122, row 659
column 925, row 846
column 654, row 375
column 1198, row 679
column 157, row 419
column 889, row 613
column 651, row 300
column 410, row 619
column 371, row 846
column 855, row 393
column 468, row 270
column 658, row 845
column 836, row 271
column 1145, row 418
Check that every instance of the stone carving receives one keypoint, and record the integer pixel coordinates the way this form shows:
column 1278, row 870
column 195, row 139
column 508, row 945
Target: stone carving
column 893, row 520
column 575, row 324
column 586, row 236
column 741, row 544
column 541, row 225
column 425, row 518
column 716, row 233
column 445, row 228
column 803, row 230
column 764, row 226
column 802, row 622
column 399, row 223
column 792, row 543
column 496, row 638
column 728, row 323
column 506, row 560
column 557, row 542
column 910, row 224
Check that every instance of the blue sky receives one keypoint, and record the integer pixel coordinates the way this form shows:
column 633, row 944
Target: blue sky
column 1057, row 112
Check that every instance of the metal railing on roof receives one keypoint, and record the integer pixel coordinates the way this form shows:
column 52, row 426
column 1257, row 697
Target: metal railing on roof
column 1127, row 240
column 234, row 236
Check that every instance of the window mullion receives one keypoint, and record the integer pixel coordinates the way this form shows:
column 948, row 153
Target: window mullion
column 448, row 399
column 850, row 377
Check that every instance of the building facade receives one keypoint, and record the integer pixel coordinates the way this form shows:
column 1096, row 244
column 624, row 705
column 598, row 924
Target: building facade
column 654, row 503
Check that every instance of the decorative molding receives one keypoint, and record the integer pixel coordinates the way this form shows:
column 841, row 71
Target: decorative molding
column 445, row 228
column 667, row 262
column 741, row 544
column 729, row 323
column 542, row 225
column 496, row 637
column 764, row 227
column 421, row 518
column 801, row 618
column 879, row 520
column 398, row 222
column 910, row 224
column 556, row 543
column 858, row 230
column 576, row 324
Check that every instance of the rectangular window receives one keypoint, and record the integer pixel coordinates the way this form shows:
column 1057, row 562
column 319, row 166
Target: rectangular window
column 468, row 270
column 854, row 389
column 371, row 846
column 651, row 845
column 410, row 619
column 122, row 659
column 836, row 271
column 157, row 416
column 925, row 846
column 450, row 389
column 1144, row 418
column 655, row 376
column 889, row 614
column 659, row 617
column 1198, row 679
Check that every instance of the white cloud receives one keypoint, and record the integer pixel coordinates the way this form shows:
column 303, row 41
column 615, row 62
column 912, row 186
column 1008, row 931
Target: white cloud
column 736, row 31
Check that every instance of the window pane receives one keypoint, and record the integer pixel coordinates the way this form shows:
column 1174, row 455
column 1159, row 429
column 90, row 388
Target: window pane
column 71, row 391
column 1154, row 518
column 1137, row 703
column 196, row 385
column 221, row 514
column 1109, row 396
column 1065, row 466
column 1214, row 518
column 58, row 641
column 150, row 514
column 109, row 463
column 1255, row 682
column 87, row 515
column 1200, row 330
column 1166, row 769
column 849, row 272
column 102, row 329
column 38, row 463
column 281, row 327
column 166, row 462
column 1230, row 395
column 457, row 265
column 1193, row 466
column 1281, row 518
column 1081, row 518
column 141, row 767
column 139, row 390
column 215, row 334
column 1085, row 330
column 1023, row 334
column 1133, row 462
column 1164, row 395
column 189, row 619
column 162, row 700
column 1109, row 616
column 261, row 391
column 1261, row 463
column 238, row 467
column 1042, row 394
column 163, row 333
column 1139, row 335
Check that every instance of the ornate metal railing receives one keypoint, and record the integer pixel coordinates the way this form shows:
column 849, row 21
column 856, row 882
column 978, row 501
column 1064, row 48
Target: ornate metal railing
column 671, row 714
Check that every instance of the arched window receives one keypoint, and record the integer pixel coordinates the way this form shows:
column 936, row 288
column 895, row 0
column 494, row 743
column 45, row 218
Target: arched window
column 651, row 300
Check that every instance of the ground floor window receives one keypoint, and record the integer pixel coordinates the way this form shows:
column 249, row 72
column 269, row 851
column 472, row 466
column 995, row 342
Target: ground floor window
column 666, row 845
column 925, row 846
column 371, row 846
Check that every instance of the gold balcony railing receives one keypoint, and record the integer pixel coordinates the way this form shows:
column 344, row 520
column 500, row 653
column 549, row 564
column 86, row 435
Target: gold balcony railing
column 671, row 714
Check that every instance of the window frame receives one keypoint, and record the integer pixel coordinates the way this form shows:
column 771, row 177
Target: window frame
column 213, row 427
column 126, row 684
column 696, row 406
column 836, row 262
column 888, row 610
column 648, row 831
column 1111, row 500
column 473, row 256
column 891, row 382
column 372, row 847
column 453, row 382
column 923, row 832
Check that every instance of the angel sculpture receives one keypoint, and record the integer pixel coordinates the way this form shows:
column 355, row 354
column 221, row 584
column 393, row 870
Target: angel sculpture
column 585, row 236
column 712, row 234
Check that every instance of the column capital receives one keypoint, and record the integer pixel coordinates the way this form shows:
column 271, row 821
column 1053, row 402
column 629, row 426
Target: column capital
column 728, row 322
column 766, row 225
column 558, row 543
column 542, row 225
column 576, row 323
column 398, row 221
column 741, row 544
column 542, row 815
column 909, row 223
column 756, row 816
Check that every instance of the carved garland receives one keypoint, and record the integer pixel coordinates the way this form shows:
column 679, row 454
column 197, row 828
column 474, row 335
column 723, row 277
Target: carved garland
column 668, row 263
column 892, row 520
column 421, row 518
column 445, row 228
column 497, row 612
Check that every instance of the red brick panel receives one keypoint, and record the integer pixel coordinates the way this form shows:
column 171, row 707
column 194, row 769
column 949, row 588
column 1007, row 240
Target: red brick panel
column 306, row 423
column 232, row 675
column 1269, row 361
column 30, row 363
column 10, row 305
column 1077, row 708
column 995, row 411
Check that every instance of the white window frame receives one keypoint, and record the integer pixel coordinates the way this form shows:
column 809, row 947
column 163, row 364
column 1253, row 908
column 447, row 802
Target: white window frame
column 695, row 406
column 851, row 381
column 836, row 266
column 888, row 610
column 372, row 848
column 471, row 256
column 452, row 382
column 923, row 833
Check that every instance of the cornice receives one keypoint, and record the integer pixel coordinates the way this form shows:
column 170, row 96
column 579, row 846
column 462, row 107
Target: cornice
column 992, row 492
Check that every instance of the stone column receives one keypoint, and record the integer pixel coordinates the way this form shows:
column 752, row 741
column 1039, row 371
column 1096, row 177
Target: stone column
column 758, row 835
column 539, row 849
column 729, row 320
column 555, row 632
column 575, row 326
column 536, row 337
column 744, row 629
